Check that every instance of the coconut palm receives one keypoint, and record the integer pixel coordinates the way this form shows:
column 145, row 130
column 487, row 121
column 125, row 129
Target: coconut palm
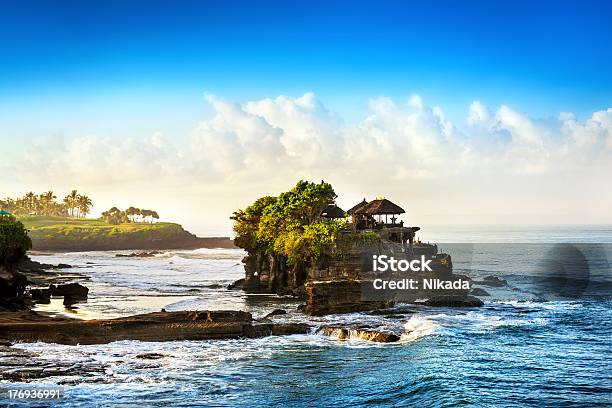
column 47, row 203
column 71, row 202
column 84, row 205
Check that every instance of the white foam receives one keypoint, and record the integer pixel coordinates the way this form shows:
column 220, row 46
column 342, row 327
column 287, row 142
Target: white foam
column 417, row 327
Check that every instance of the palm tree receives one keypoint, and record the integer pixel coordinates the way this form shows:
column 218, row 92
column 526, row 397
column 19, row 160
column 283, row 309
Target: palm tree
column 84, row 205
column 30, row 201
column 47, row 201
column 71, row 202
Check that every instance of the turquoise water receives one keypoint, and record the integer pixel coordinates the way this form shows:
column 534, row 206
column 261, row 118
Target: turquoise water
column 528, row 346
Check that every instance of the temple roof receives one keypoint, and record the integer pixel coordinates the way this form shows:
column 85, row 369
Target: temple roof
column 333, row 211
column 357, row 207
column 380, row 206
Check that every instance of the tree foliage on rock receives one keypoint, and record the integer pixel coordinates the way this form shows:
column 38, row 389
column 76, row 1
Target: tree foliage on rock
column 14, row 242
column 290, row 224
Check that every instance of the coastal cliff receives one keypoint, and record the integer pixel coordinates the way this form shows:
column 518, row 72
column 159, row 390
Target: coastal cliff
column 76, row 235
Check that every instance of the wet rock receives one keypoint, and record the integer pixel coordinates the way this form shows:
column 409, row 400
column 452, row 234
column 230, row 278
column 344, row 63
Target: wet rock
column 150, row 356
column 168, row 326
column 41, row 295
column 338, row 296
column 492, row 281
column 392, row 312
column 290, row 328
column 454, row 301
column 346, row 333
column 479, row 292
column 238, row 285
column 143, row 254
column 28, row 265
column 301, row 307
column 275, row 312
column 72, row 290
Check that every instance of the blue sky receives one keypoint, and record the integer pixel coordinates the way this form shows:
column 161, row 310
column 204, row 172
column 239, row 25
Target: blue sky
column 67, row 56
column 76, row 74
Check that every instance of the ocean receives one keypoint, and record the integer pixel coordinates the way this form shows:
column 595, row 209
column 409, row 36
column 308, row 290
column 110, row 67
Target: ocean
column 543, row 340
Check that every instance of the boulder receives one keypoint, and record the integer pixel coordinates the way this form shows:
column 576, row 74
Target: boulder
column 479, row 292
column 492, row 281
column 41, row 295
column 275, row 312
column 239, row 284
column 454, row 301
column 71, row 290
column 358, row 333
column 338, row 296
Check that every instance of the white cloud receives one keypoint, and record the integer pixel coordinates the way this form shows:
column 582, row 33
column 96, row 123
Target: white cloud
column 410, row 150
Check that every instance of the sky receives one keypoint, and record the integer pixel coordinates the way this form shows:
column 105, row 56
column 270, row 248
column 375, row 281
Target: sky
column 461, row 112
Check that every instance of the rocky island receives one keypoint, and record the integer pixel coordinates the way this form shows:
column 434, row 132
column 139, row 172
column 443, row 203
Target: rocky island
column 302, row 244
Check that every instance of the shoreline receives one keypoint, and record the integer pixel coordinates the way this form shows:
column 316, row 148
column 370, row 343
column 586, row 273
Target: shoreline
column 155, row 326
column 190, row 243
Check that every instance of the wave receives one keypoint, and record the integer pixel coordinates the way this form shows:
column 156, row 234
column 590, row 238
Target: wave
column 418, row 327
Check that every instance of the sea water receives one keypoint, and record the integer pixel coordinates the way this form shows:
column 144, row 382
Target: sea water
column 531, row 344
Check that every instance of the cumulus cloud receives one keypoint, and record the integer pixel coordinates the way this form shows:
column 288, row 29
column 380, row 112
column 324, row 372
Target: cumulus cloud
column 410, row 147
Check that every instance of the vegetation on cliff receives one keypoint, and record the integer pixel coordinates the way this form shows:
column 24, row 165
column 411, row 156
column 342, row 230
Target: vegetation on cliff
column 14, row 241
column 64, row 232
column 289, row 225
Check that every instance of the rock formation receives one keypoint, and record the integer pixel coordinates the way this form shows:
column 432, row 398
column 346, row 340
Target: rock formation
column 159, row 326
column 341, row 280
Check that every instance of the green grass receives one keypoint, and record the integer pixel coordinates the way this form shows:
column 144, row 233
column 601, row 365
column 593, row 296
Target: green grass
column 64, row 228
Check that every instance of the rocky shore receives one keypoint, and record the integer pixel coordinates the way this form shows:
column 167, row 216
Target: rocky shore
column 184, row 240
column 159, row 326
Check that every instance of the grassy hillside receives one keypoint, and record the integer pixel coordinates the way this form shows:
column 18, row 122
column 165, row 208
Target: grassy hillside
column 82, row 234
column 42, row 227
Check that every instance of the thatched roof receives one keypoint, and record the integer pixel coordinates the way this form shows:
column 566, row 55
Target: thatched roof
column 357, row 207
column 333, row 211
column 380, row 206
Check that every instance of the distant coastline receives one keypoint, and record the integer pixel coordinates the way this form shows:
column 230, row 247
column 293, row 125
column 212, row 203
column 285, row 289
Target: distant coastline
column 66, row 234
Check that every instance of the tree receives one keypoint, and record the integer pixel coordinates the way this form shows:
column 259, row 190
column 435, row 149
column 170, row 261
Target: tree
column 71, row 202
column 30, row 201
column 47, row 203
column 84, row 205
column 289, row 225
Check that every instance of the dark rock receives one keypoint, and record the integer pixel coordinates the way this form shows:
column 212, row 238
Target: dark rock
column 72, row 290
column 143, row 254
column 41, row 295
column 290, row 328
column 301, row 307
column 275, row 312
column 346, row 333
column 63, row 266
column 150, row 356
column 338, row 296
column 454, row 301
column 239, row 284
column 492, row 281
column 70, row 300
column 479, row 292
column 169, row 326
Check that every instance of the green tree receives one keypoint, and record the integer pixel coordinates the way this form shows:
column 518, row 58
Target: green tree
column 289, row 225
